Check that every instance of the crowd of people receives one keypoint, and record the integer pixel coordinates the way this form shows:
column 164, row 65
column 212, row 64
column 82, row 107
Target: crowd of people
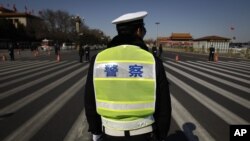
column 16, row 47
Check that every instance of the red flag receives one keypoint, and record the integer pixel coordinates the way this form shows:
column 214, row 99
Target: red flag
column 14, row 7
column 25, row 7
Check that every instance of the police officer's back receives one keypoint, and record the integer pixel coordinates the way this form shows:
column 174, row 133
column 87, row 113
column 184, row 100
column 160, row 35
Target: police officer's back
column 117, row 105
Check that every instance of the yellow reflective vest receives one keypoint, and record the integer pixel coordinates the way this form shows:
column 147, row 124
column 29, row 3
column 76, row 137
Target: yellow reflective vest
column 125, row 87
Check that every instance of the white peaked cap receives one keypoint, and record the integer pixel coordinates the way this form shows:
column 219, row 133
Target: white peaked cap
column 129, row 17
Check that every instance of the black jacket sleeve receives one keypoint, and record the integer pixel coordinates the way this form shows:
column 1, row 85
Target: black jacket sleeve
column 163, row 109
column 94, row 120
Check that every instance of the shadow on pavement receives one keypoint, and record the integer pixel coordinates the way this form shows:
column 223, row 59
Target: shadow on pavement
column 185, row 135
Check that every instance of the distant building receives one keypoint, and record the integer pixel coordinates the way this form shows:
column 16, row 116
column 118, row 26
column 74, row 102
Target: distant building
column 18, row 19
column 164, row 41
column 17, row 26
column 177, row 40
column 221, row 44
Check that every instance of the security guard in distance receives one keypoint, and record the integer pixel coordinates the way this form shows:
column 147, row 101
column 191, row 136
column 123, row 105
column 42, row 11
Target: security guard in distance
column 127, row 94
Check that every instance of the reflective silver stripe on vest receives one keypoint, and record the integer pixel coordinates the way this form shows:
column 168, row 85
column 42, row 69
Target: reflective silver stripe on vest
column 126, row 106
column 148, row 70
column 128, row 125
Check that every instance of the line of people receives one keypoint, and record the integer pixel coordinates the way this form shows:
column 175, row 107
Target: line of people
column 82, row 51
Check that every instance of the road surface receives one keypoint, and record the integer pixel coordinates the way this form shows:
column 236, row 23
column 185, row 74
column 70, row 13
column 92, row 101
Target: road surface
column 41, row 99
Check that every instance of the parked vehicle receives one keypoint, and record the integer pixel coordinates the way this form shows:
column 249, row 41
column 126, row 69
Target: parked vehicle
column 66, row 46
column 47, row 45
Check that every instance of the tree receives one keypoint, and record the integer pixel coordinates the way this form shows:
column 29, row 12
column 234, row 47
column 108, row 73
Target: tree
column 61, row 26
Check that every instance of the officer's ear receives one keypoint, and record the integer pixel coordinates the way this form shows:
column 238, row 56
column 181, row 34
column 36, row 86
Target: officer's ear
column 141, row 31
column 138, row 31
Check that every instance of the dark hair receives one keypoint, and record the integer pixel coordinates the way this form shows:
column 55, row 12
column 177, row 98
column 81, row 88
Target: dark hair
column 130, row 28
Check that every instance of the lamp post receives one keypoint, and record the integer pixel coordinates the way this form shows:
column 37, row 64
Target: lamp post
column 157, row 23
column 78, row 22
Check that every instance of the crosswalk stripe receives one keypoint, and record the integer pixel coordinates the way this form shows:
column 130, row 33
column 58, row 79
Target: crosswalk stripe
column 29, row 128
column 236, row 64
column 223, row 70
column 27, row 71
column 32, row 74
column 78, row 130
column 241, row 62
column 226, row 75
column 245, row 61
column 182, row 116
column 219, row 110
column 37, row 81
column 225, row 67
column 245, row 89
column 7, row 65
column 243, row 102
column 21, row 68
column 35, row 95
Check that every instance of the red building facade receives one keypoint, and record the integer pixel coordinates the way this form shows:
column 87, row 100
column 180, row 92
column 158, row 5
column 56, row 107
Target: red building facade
column 177, row 40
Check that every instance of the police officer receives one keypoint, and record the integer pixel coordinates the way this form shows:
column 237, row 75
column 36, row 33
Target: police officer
column 87, row 52
column 11, row 51
column 57, row 48
column 81, row 52
column 211, row 53
column 127, row 94
column 154, row 49
column 160, row 50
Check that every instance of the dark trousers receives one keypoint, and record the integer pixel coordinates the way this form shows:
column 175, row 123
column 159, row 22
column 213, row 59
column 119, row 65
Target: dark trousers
column 143, row 137
column 80, row 58
column 211, row 57
column 160, row 52
column 87, row 57
column 12, row 56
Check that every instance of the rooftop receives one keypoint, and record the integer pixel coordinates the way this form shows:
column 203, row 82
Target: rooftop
column 6, row 13
column 5, row 10
column 181, row 36
column 212, row 38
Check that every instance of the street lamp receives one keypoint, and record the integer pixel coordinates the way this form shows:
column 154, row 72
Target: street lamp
column 157, row 23
column 78, row 22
